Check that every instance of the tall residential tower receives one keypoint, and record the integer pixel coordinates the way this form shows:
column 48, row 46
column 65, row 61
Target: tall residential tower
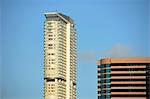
column 59, row 57
column 124, row 78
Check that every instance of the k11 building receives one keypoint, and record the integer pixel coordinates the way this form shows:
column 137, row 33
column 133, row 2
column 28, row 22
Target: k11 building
column 59, row 57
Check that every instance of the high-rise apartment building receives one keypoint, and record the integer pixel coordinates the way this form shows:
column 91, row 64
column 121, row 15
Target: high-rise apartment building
column 59, row 57
column 124, row 78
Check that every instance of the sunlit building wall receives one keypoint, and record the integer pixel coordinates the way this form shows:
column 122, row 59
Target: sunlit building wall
column 59, row 57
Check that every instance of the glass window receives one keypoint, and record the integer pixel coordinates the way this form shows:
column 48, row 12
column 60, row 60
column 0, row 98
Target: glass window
column 50, row 44
column 107, row 91
column 107, row 70
column 107, row 75
column 107, row 86
column 107, row 65
column 108, row 81
column 102, row 66
column 50, row 39
column 50, row 35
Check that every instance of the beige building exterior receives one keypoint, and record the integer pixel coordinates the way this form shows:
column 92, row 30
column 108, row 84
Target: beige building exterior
column 124, row 78
column 59, row 57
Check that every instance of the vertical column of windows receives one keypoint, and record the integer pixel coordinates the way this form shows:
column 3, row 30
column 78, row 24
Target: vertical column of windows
column 105, row 81
column 148, row 80
column 62, row 49
column 50, row 48
column 73, row 61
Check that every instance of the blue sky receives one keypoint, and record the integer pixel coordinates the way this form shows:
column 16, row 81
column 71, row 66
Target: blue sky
column 105, row 28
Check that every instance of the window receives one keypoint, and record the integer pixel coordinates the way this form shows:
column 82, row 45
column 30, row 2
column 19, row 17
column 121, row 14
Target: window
column 50, row 44
column 50, row 47
column 52, row 87
column 107, row 70
column 49, row 32
column 107, row 97
column 53, row 90
column 49, row 29
column 50, row 39
column 53, row 59
column 49, row 23
column 50, row 35
column 102, row 66
column 52, row 68
column 107, row 65
column 107, row 86
column 108, row 81
column 107, row 75
column 101, row 71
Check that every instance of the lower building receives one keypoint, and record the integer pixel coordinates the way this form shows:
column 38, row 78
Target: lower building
column 123, row 78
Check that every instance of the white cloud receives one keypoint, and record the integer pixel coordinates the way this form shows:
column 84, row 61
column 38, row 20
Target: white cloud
column 119, row 50
column 87, row 56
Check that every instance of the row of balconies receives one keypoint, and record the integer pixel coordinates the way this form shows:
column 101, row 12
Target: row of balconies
column 73, row 49
column 61, row 26
column 73, row 44
column 62, row 51
column 73, row 78
column 49, row 30
column 46, row 36
column 61, row 31
column 51, row 22
column 61, row 39
column 50, row 48
column 61, row 44
column 61, row 60
column 61, row 23
column 62, row 55
column 73, row 55
column 60, row 47
column 47, row 61
column 47, row 41
column 73, row 41
column 55, row 74
column 59, row 91
column 58, row 68
column 73, row 37
column 73, row 62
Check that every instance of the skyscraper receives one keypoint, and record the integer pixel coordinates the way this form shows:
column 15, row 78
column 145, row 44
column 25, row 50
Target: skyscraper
column 124, row 78
column 59, row 57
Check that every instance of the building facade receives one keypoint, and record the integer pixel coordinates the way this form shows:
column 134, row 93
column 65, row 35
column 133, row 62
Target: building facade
column 124, row 78
column 59, row 57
